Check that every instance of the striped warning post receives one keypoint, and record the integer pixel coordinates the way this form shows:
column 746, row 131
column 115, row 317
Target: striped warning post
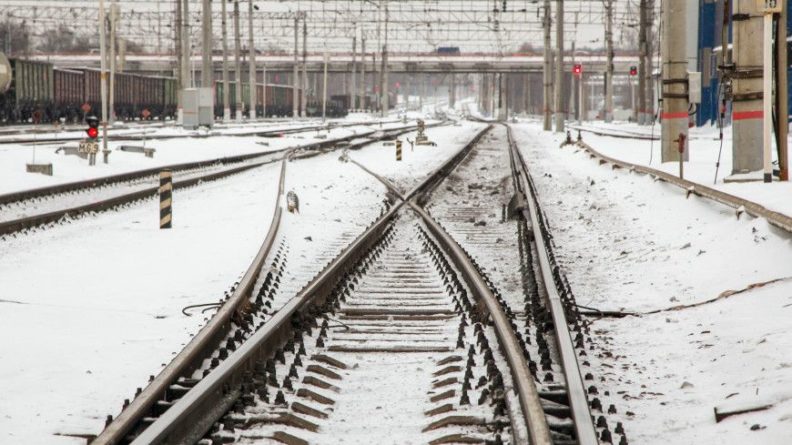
column 398, row 150
column 166, row 198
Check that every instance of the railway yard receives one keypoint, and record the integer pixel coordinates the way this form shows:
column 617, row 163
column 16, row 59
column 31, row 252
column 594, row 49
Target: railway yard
column 381, row 222
column 492, row 288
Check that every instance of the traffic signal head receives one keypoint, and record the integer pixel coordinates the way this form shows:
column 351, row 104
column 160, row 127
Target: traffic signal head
column 93, row 126
column 633, row 71
column 577, row 69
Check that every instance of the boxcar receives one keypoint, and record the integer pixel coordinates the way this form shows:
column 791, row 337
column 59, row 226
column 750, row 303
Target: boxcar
column 31, row 90
column 69, row 94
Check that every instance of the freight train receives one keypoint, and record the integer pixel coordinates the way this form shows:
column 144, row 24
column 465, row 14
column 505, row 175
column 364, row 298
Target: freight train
column 30, row 87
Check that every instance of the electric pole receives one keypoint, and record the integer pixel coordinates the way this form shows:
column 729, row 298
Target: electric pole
column 179, row 61
column 113, row 20
column 103, row 74
column 675, row 96
column 226, row 86
column 559, row 72
column 782, row 99
column 385, row 86
column 642, row 54
column 324, row 89
column 186, row 50
column 252, row 63
column 206, row 60
column 362, row 72
column 238, row 63
column 295, row 75
column 547, row 74
column 609, row 67
column 353, row 92
column 747, row 112
column 304, row 101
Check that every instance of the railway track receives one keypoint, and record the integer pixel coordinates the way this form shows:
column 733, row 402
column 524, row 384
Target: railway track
column 28, row 209
column 402, row 337
column 132, row 133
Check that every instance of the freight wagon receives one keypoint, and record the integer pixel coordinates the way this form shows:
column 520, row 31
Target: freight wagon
column 27, row 87
column 280, row 99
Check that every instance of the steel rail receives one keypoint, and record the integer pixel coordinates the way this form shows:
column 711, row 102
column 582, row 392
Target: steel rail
column 741, row 205
column 193, row 414
column 206, row 340
column 586, row 433
column 202, row 344
column 623, row 135
column 527, row 393
column 16, row 225
column 122, row 177
column 139, row 136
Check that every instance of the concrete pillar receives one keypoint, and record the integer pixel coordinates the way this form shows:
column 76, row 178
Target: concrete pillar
column 675, row 102
column 206, row 55
column 747, row 110
column 238, row 57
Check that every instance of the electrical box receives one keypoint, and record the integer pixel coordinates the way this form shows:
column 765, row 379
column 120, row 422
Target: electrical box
column 694, row 87
column 198, row 106
column 770, row 6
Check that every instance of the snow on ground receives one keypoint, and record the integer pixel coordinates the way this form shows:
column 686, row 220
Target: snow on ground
column 419, row 161
column 86, row 326
column 629, row 243
column 13, row 158
column 103, row 312
column 704, row 148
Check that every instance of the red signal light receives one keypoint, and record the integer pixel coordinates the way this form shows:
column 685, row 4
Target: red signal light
column 577, row 69
column 92, row 132
column 633, row 71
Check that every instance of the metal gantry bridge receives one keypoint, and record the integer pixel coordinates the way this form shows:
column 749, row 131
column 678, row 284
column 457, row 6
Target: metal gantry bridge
column 477, row 26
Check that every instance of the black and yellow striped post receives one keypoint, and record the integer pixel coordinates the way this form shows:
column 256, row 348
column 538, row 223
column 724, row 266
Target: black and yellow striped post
column 398, row 150
column 166, row 198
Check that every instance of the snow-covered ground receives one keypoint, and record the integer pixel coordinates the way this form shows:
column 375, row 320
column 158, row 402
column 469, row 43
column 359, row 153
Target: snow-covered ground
column 102, row 312
column 704, row 148
column 13, row 157
column 628, row 243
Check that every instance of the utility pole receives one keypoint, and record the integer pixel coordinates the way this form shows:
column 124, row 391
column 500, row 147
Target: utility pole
column 238, row 63
column 675, row 97
column 559, row 72
column 179, row 61
column 113, row 23
column 324, row 89
column 782, row 99
column 186, row 49
column 206, row 60
column 226, row 86
column 747, row 112
column 264, row 91
column 642, row 54
column 103, row 74
column 304, row 101
column 452, row 91
column 385, row 86
column 252, row 63
column 295, row 75
column 547, row 75
column 648, row 92
column 362, row 72
column 609, row 67
column 352, row 91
